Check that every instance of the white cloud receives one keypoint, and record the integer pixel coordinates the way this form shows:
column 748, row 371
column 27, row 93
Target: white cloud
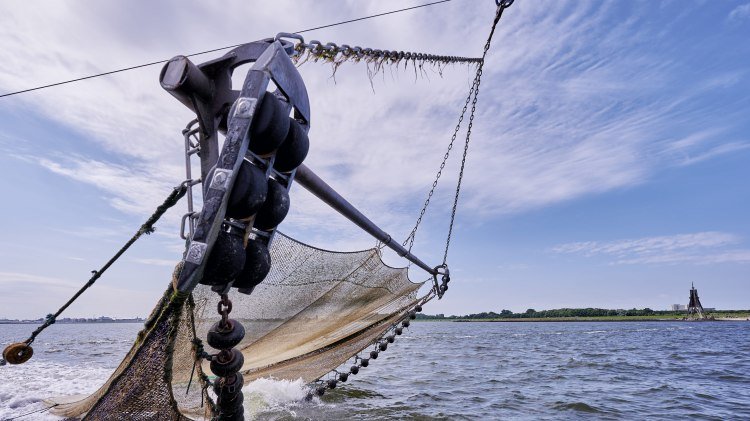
column 716, row 151
column 31, row 295
column 571, row 104
column 132, row 189
column 9, row 279
column 740, row 12
column 155, row 262
column 697, row 248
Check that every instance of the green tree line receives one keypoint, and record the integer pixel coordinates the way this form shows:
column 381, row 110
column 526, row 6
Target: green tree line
column 564, row 312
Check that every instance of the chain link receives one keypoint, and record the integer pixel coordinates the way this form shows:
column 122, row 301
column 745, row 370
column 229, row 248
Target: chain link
column 224, row 307
column 477, row 80
column 337, row 54
column 410, row 239
column 471, row 97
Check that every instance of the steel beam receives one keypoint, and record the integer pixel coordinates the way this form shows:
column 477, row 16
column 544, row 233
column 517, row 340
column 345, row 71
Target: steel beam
column 315, row 185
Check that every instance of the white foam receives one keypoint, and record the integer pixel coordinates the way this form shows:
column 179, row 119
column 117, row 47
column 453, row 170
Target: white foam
column 23, row 388
column 264, row 395
column 276, row 392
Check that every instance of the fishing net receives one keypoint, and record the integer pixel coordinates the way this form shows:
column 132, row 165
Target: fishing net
column 313, row 312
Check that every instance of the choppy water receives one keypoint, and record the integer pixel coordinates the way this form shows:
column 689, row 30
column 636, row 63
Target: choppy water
column 441, row 370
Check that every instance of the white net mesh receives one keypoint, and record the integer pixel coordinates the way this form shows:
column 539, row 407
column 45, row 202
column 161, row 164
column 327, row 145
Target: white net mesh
column 314, row 311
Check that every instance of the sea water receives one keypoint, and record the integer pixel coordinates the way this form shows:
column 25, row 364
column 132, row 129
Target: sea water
column 445, row 370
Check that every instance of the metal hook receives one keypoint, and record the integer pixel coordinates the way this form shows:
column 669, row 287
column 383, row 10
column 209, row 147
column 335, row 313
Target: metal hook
column 289, row 35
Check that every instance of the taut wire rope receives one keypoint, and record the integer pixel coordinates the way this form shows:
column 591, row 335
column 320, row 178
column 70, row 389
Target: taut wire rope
column 36, row 88
column 147, row 228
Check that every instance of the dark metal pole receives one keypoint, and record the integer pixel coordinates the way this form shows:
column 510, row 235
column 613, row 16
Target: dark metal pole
column 309, row 180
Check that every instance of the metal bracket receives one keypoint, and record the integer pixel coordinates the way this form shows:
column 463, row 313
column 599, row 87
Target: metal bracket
column 221, row 179
column 196, row 252
column 244, row 107
column 441, row 287
column 206, row 90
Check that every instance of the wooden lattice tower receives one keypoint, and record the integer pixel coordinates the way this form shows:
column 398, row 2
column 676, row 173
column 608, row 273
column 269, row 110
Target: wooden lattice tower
column 695, row 309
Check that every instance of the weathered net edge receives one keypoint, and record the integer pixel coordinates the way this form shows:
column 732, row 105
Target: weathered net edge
column 166, row 312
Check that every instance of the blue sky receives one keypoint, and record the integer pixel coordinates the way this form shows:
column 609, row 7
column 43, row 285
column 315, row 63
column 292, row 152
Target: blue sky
column 608, row 165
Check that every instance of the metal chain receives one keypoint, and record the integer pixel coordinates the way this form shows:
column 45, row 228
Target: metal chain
column 412, row 235
column 336, row 53
column 463, row 165
column 224, row 307
column 501, row 5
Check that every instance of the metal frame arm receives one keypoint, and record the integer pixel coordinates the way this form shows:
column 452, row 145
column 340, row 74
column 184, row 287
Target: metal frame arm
column 315, row 185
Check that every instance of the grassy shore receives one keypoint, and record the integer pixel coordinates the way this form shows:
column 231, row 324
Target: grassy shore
column 653, row 318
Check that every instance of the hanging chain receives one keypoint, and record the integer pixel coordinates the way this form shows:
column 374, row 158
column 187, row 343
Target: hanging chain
column 471, row 97
column 224, row 307
column 412, row 235
column 501, row 5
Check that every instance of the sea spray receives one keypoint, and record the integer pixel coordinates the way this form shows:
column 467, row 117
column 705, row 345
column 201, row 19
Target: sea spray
column 25, row 387
column 269, row 394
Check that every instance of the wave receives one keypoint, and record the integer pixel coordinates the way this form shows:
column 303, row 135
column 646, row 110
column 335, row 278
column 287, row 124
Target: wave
column 575, row 406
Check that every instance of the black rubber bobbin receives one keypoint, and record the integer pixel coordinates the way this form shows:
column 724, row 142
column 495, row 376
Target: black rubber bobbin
column 229, row 387
column 227, row 363
column 225, row 261
column 274, row 209
column 256, row 266
column 225, row 336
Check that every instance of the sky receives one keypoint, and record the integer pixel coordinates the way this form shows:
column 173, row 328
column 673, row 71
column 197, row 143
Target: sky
column 608, row 165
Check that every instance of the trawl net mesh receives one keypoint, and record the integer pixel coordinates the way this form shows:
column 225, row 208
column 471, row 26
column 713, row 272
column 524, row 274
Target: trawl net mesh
column 314, row 311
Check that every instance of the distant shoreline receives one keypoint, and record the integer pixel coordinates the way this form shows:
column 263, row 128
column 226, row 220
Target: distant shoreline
column 71, row 322
column 586, row 319
column 588, row 315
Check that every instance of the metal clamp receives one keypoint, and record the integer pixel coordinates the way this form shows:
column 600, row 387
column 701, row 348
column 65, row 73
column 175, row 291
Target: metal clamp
column 289, row 35
column 188, row 220
column 441, row 287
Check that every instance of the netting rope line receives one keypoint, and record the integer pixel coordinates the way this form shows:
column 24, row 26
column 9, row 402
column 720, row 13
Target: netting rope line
column 393, row 330
column 147, row 228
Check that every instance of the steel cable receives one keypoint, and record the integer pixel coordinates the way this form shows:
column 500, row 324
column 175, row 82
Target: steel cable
column 213, row 50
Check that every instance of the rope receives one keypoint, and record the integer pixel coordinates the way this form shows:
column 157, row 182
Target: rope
column 146, row 228
column 30, row 413
column 212, row 50
column 471, row 97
